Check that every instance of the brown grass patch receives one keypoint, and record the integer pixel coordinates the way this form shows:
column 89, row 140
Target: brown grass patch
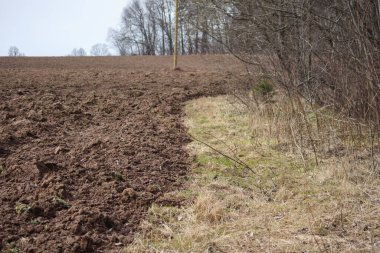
column 286, row 204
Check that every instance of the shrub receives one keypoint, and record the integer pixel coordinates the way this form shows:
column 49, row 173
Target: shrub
column 264, row 89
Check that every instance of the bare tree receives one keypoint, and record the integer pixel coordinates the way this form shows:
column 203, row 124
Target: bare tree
column 119, row 41
column 147, row 28
column 78, row 52
column 139, row 25
column 100, row 50
column 14, row 52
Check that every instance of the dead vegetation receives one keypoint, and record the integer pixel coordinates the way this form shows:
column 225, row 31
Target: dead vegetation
column 289, row 202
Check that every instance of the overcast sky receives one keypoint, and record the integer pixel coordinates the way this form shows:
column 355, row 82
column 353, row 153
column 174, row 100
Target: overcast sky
column 55, row 27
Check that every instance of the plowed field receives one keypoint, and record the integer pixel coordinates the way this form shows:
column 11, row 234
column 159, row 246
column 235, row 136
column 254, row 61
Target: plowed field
column 88, row 144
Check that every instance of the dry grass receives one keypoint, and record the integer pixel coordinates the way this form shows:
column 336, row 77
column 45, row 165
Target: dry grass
column 286, row 204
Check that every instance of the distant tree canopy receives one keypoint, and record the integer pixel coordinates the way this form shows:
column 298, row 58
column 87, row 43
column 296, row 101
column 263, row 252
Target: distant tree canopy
column 100, row 50
column 78, row 52
column 14, row 52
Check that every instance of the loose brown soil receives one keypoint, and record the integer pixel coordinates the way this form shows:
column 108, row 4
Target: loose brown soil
column 88, row 144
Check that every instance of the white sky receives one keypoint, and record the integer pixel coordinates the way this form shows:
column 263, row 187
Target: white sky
column 55, row 27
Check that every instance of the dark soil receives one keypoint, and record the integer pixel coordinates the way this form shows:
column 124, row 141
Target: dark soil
column 88, row 144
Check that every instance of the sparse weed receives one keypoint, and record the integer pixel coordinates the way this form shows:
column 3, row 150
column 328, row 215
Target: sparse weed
column 2, row 169
column 35, row 222
column 21, row 208
column 62, row 202
column 118, row 176
column 12, row 250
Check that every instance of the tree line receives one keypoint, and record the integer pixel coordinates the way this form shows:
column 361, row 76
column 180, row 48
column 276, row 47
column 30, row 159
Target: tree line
column 96, row 50
column 147, row 28
column 326, row 51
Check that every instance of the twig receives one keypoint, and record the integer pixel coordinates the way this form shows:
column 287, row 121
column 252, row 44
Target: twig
column 224, row 143
column 295, row 143
column 236, row 160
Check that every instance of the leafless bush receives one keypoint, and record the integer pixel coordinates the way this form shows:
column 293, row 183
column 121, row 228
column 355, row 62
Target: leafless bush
column 325, row 51
column 323, row 55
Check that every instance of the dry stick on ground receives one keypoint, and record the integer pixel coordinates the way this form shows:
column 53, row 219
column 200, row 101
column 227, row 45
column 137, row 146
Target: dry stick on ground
column 228, row 147
column 236, row 160
column 224, row 143
column 296, row 144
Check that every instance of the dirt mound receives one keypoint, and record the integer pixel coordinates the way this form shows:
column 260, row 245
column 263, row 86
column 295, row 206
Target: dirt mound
column 86, row 146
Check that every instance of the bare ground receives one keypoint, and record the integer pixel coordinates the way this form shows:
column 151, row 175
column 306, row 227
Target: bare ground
column 88, row 144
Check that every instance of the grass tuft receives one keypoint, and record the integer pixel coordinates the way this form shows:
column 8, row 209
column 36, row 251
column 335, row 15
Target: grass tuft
column 21, row 208
column 62, row 202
